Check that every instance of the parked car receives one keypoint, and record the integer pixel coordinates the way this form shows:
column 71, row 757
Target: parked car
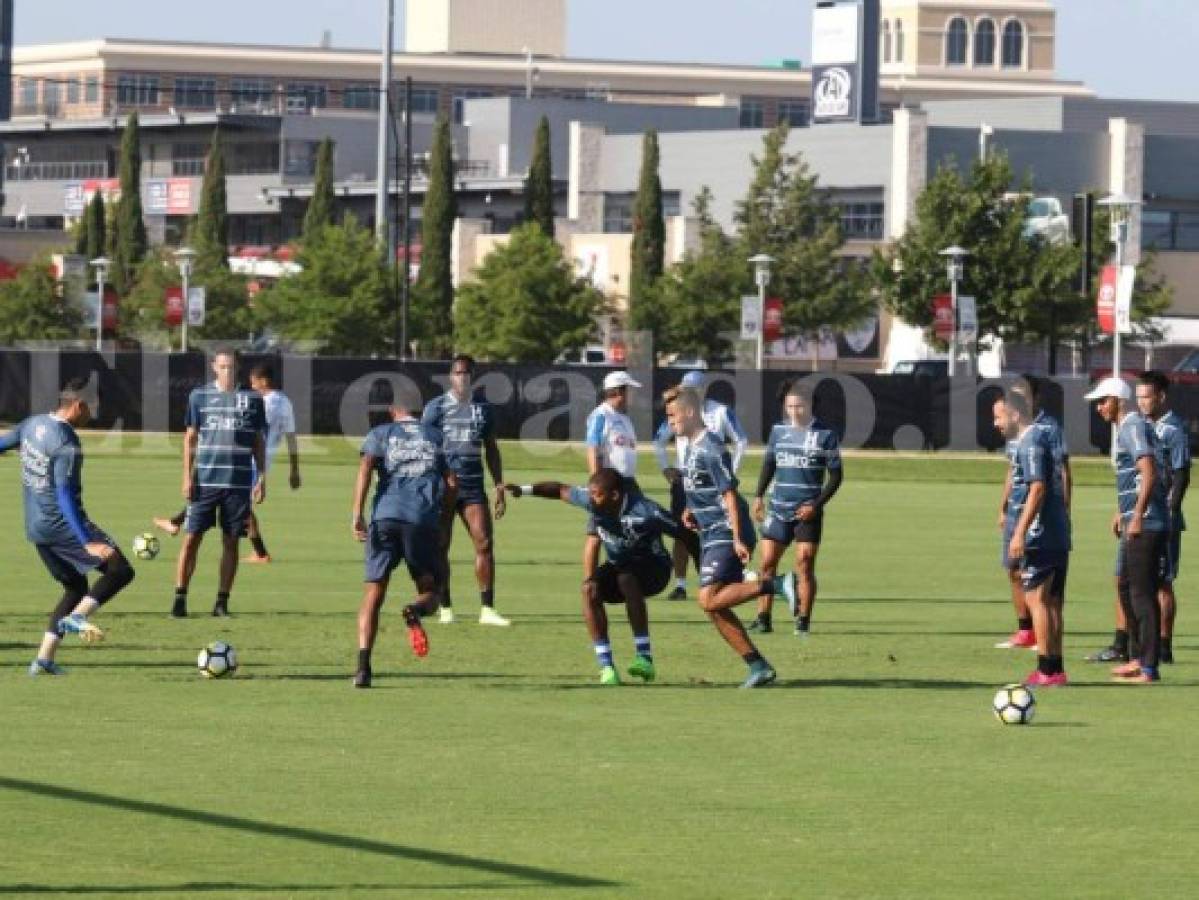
column 926, row 368
column 1187, row 370
column 1045, row 219
column 591, row 355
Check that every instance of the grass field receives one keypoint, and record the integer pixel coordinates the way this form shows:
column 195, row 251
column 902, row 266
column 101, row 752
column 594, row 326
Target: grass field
column 498, row 766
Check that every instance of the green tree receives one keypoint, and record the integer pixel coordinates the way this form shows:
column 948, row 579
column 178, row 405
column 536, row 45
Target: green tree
column 130, row 244
column 649, row 242
column 433, row 294
column 32, row 310
column 539, row 184
column 320, row 207
column 341, row 300
column 210, row 230
column 96, row 217
column 79, row 233
column 526, row 304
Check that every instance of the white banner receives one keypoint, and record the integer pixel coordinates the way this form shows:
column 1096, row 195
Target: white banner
column 967, row 319
column 1128, row 281
column 751, row 317
column 834, row 35
column 196, row 300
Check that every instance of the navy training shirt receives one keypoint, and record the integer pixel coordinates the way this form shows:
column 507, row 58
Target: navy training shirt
column 1035, row 460
column 464, row 428
column 802, row 457
column 1135, row 440
column 411, row 469
column 228, row 423
column 51, row 457
column 635, row 533
column 707, row 476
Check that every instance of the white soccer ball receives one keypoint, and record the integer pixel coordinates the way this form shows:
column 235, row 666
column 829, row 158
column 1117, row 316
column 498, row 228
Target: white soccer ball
column 146, row 546
column 217, row 660
column 1014, row 704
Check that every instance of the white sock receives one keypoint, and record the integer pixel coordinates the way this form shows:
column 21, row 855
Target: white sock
column 86, row 607
column 50, row 642
column 681, row 582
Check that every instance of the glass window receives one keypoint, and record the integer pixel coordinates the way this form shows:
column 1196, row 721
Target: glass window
column 424, row 100
column 251, row 91
column 460, row 101
column 1013, row 45
column 360, row 96
column 72, row 90
column 863, row 221
column 91, row 89
column 303, row 96
column 258, row 158
column 51, row 94
column 299, row 158
column 984, row 43
column 1157, row 229
column 195, row 93
column 885, row 40
column 957, row 39
column 618, row 210
column 29, row 94
column 793, row 112
column 753, row 114
column 898, row 40
column 137, row 90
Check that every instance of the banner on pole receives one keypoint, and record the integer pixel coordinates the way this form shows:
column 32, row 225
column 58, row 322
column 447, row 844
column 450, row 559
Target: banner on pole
column 196, row 300
column 943, row 316
column 772, row 328
column 751, row 317
column 1128, row 280
column 1106, row 302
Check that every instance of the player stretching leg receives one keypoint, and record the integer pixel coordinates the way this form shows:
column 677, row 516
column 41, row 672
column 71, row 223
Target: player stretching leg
column 415, row 484
column 67, row 541
column 803, row 457
column 630, row 528
column 720, row 515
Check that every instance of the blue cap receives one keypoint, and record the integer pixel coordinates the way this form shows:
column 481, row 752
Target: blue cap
column 693, row 380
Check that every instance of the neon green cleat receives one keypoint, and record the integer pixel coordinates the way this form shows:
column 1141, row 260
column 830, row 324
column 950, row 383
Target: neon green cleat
column 643, row 668
column 609, row 676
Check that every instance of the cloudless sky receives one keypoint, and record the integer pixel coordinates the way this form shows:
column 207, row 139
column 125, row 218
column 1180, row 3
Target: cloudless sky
column 1120, row 48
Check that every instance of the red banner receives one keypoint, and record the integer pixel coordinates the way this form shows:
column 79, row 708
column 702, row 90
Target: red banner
column 1109, row 282
column 943, row 316
column 110, row 312
column 173, row 314
column 772, row 329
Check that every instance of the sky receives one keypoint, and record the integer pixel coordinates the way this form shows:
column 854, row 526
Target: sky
column 1120, row 48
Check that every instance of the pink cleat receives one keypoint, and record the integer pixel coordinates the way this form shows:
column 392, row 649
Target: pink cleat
column 1040, row 679
column 1022, row 639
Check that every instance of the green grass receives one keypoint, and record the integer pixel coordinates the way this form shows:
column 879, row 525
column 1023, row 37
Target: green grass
column 497, row 766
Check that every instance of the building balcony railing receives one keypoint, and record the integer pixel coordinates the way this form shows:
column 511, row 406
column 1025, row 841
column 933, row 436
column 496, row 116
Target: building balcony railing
column 55, row 171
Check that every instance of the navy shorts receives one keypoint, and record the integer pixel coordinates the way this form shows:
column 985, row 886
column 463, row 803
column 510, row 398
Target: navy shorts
column 653, row 575
column 1039, row 567
column 784, row 531
column 1173, row 557
column 231, row 506
column 67, row 560
column 390, row 542
column 473, row 494
column 720, row 565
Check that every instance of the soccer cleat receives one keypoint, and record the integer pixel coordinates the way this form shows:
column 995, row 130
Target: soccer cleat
column 179, row 609
column 679, row 593
column 760, row 626
column 1140, row 676
column 362, row 678
column 760, row 675
column 1127, row 670
column 788, row 586
column 220, row 609
column 642, row 667
column 1040, row 679
column 1024, row 638
column 609, row 676
column 1107, row 655
column 416, row 632
column 488, row 616
column 446, row 615
column 803, row 629
column 78, row 624
column 255, row 558
column 45, row 667
column 167, row 525
column 1166, row 657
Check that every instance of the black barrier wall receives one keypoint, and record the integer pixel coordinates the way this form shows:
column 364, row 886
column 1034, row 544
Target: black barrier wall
column 148, row 392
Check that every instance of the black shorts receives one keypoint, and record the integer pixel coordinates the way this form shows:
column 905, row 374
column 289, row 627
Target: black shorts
column 652, row 576
column 1173, row 556
column 67, row 561
column 786, row 531
column 720, row 565
column 230, row 505
column 1045, row 566
column 678, row 500
column 390, row 542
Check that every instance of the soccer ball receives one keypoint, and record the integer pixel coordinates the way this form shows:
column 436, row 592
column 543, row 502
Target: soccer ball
column 217, row 660
column 1014, row 704
column 146, row 546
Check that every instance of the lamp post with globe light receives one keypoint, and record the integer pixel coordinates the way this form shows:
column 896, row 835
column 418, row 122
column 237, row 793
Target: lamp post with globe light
column 100, row 264
column 184, row 258
column 1122, row 208
column 761, row 263
column 954, row 268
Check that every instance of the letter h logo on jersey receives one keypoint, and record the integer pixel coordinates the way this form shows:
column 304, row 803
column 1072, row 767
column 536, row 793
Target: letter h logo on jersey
column 242, row 401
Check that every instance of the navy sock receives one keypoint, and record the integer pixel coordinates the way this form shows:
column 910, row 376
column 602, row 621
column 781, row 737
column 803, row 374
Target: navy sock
column 603, row 653
column 753, row 656
column 642, row 646
column 1024, row 624
column 487, row 597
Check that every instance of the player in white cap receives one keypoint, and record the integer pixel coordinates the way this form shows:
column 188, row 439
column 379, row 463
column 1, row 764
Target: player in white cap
column 611, row 439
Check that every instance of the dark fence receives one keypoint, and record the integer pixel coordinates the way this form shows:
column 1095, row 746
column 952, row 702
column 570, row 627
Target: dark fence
column 148, row 392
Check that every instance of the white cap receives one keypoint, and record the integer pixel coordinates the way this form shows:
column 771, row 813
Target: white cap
column 615, row 380
column 693, row 380
column 1110, row 387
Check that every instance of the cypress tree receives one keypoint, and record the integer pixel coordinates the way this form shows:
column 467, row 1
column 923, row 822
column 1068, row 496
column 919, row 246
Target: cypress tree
column 320, row 207
column 96, row 219
column 539, row 186
column 649, row 240
column 434, row 296
column 210, row 231
column 131, row 242
column 81, row 232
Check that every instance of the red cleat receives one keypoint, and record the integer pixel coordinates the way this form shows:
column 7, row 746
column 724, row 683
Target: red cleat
column 1022, row 639
column 416, row 632
column 1040, row 679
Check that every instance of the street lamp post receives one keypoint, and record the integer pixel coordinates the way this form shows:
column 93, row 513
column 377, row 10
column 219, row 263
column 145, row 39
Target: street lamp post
column 184, row 257
column 954, row 268
column 1121, row 207
column 100, row 264
column 761, row 263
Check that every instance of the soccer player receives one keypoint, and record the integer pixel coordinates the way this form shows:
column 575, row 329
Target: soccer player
column 719, row 419
column 630, row 528
column 280, row 424
column 416, row 486
column 1152, row 401
column 1039, row 541
column 69, row 543
column 1141, row 523
column 611, row 440
column 721, row 516
column 224, row 468
column 803, row 458
column 1023, row 636
column 466, row 425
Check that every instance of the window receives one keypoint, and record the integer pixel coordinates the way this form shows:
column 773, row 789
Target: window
column 91, row 89
column 863, row 221
column 461, row 98
column 898, row 40
column 195, row 93
column 28, row 95
column 251, row 92
column 51, row 94
column 885, row 40
column 1013, row 45
column 984, row 43
column 303, row 96
column 618, row 210
column 957, row 39
column 72, row 90
column 187, row 160
column 793, row 112
column 753, row 114
column 1165, row 229
column 424, row 100
column 360, row 96
column 299, row 158
column 137, row 90
column 258, row 158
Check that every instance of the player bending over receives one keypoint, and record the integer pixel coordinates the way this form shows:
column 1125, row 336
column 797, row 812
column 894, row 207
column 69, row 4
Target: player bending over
column 630, row 528
column 68, row 542
column 415, row 487
column 720, row 515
